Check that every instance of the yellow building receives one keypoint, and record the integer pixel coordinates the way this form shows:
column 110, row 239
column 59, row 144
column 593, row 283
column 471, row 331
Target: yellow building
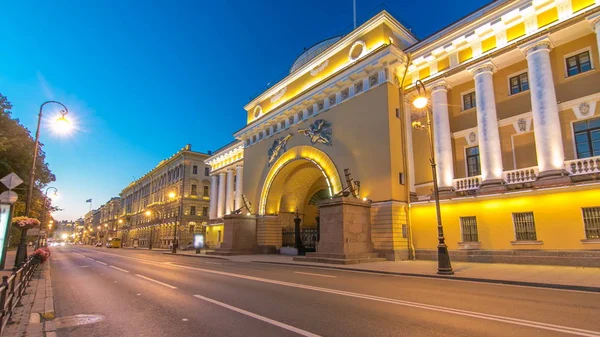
column 512, row 88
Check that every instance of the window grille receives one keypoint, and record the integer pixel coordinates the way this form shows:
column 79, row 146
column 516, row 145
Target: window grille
column 524, row 226
column 591, row 221
column 468, row 225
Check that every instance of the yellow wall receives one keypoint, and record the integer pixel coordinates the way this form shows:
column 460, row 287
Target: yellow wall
column 373, row 39
column 568, row 88
column 212, row 235
column 366, row 139
column 525, row 153
column 557, row 215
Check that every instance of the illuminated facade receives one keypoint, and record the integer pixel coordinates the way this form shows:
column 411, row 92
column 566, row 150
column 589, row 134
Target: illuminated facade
column 174, row 193
column 513, row 88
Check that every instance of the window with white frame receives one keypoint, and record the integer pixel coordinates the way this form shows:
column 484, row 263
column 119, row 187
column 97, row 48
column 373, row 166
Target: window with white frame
column 591, row 222
column 468, row 228
column 579, row 63
column 587, row 137
column 473, row 161
column 524, row 226
column 274, row 127
column 468, row 100
column 519, row 83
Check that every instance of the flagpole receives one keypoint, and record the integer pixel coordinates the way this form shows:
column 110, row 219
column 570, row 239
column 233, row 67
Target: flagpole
column 354, row 11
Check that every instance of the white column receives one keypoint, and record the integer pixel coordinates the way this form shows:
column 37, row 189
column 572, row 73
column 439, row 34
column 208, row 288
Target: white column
column 595, row 22
column 442, row 141
column 546, row 123
column 214, row 195
column 229, row 196
column 239, row 173
column 490, row 152
column 221, row 199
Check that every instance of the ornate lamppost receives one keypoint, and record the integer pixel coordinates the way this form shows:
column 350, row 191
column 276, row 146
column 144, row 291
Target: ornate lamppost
column 55, row 194
column 422, row 102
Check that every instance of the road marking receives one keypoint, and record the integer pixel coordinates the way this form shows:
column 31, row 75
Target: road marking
column 212, row 262
column 102, row 263
column 474, row 314
column 155, row 281
column 84, row 266
column 117, row 268
column 89, row 258
column 322, row 275
column 259, row 317
column 185, row 319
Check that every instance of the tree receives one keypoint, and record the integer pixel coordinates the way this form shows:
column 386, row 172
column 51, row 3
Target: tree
column 16, row 155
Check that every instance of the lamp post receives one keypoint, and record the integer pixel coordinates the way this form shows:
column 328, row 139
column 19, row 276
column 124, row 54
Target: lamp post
column 62, row 124
column 173, row 247
column 45, row 211
column 149, row 214
column 422, row 102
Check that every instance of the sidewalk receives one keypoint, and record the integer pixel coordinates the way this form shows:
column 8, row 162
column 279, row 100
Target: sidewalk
column 38, row 305
column 559, row 277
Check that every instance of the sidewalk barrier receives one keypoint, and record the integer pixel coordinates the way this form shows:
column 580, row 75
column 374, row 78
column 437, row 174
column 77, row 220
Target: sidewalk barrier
column 12, row 290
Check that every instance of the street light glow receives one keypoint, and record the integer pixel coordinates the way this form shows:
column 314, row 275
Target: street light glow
column 64, row 236
column 172, row 195
column 420, row 102
column 61, row 125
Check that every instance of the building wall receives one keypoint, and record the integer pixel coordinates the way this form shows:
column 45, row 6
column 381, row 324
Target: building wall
column 557, row 215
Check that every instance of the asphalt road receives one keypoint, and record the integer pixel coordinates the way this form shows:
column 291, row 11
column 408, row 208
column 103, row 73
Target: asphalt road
column 142, row 293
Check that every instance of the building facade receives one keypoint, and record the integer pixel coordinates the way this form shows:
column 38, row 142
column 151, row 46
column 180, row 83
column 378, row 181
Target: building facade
column 512, row 88
column 172, row 200
column 109, row 218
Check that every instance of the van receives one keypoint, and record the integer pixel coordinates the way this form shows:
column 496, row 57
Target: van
column 114, row 243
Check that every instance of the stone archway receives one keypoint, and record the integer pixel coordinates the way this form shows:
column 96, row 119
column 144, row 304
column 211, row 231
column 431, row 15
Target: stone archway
column 295, row 177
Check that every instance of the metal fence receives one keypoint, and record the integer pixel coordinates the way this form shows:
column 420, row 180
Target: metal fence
column 13, row 289
column 308, row 236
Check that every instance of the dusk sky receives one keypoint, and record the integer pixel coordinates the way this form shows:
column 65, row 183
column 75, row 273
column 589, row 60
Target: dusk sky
column 143, row 79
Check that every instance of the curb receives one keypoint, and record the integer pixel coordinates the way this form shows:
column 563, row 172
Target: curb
column 199, row 256
column 49, row 300
column 457, row 278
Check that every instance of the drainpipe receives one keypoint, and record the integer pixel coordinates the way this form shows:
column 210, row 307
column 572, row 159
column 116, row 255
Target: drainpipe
column 403, row 117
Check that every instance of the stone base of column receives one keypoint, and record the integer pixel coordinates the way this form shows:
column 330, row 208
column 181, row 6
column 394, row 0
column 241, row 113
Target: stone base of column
column 551, row 178
column 446, row 192
column 492, row 186
column 239, row 237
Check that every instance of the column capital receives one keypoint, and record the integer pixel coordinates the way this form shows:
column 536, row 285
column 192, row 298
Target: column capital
column 439, row 85
column 486, row 66
column 594, row 21
column 541, row 44
column 222, row 173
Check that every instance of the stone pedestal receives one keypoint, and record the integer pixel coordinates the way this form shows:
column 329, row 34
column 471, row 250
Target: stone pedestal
column 239, row 235
column 345, row 237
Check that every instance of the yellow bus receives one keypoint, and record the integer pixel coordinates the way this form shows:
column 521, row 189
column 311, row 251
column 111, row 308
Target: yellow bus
column 114, row 243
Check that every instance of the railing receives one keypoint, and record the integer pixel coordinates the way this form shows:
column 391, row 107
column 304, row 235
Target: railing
column 467, row 184
column 524, row 175
column 13, row 289
column 583, row 166
column 308, row 236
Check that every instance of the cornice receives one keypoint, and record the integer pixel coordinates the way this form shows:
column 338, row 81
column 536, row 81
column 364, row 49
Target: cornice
column 382, row 17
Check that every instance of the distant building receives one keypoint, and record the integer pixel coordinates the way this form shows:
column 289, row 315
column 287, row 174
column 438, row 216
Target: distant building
column 174, row 193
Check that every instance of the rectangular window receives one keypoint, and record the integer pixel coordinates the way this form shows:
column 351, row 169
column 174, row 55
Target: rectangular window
column 191, row 229
column 473, row 161
column 469, row 101
column 591, row 222
column 282, row 125
column 192, row 210
column 519, row 83
column 468, row 226
column 195, row 169
column 205, row 191
column 194, row 189
column 274, row 128
column 579, row 63
column 587, row 138
column 204, row 211
column 404, row 231
column 524, row 226
column 206, row 171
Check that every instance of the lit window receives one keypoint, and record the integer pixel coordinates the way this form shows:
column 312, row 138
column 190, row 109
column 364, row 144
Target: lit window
column 195, row 169
column 468, row 226
column 524, row 226
column 473, row 161
column 282, row 125
column 587, row 138
column 206, row 171
column 469, row 101
column 205, row 192
column 579, row 63
column 204, row 211
column 519, row 83
column 194, row 189
column 591, row 221
column 192, row 210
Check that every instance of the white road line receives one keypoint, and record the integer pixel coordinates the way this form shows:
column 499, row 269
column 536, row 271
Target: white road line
column 155, row 281
column 89, row 258
column 322, row 275
column 474, row 314
column 212, row 262
column 117, row 268
column 259, row 317
column 101, row 262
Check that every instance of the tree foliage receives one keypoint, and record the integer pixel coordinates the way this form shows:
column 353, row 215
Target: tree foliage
column 16, row 155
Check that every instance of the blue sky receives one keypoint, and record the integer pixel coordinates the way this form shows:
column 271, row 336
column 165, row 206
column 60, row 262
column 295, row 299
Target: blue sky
column 142, row 79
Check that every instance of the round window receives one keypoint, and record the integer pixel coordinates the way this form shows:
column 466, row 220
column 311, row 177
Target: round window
column 357, row 50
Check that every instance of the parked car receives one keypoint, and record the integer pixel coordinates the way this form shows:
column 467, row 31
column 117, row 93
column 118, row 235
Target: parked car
column 189, row 247
column 99, row 244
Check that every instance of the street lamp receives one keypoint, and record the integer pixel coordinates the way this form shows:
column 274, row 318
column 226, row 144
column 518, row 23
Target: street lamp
column 422, row 102
column 148, row 214
column 174, row 247
column 62, row 124
column 55, row 194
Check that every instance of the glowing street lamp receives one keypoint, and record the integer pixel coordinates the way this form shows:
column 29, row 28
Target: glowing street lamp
column 172, row 195
column 444, row 265
column 62, row 122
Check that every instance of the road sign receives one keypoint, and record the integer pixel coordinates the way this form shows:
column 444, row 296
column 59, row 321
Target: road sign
column 8, row 196
column 11, row 181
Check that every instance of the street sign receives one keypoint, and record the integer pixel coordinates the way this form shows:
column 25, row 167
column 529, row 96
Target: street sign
column 11, row 181
column 33, row 231
column 8, row 196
